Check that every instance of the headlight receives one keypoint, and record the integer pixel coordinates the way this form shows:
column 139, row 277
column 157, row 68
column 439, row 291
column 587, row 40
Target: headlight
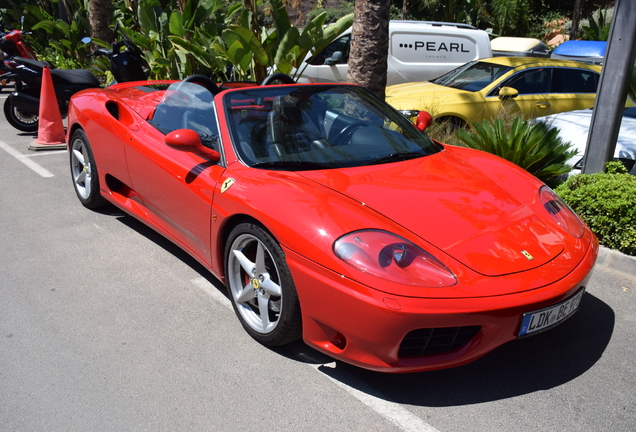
column 561, row 212
column 392, row 258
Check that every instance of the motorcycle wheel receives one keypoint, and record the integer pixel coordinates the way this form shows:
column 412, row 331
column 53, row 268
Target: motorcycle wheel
column 19, row 119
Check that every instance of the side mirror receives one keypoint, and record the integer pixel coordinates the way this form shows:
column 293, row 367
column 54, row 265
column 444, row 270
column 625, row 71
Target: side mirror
column 423, row 121
column 336, row 58
column 190, row 141
column 508, row 92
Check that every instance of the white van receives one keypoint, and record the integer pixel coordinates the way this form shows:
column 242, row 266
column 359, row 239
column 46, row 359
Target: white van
column 418, row 51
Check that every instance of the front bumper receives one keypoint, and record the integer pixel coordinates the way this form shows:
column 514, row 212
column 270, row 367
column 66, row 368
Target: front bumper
column 365, row 327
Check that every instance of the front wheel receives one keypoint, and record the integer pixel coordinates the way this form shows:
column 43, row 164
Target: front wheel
column 21, row 120
column 84, row 171
column 261, row 287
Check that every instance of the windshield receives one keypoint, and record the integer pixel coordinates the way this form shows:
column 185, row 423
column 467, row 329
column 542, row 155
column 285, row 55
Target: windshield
column 472, row 76
column 319, row 127
column 187, row 106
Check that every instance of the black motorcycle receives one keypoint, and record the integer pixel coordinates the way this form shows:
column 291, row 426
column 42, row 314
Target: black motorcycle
column 22, row 106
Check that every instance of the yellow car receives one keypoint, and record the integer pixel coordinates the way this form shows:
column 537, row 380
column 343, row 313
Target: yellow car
column 530, row 87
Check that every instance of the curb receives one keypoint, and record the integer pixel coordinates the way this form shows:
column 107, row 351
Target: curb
column 616, row 261
column 36, row 146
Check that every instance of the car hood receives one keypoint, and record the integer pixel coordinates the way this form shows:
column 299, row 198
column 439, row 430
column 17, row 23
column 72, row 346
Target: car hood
column 456, row 207
column 423, row 95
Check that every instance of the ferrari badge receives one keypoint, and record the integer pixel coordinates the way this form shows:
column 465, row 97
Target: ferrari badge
column 227, row 184
column 527, row 255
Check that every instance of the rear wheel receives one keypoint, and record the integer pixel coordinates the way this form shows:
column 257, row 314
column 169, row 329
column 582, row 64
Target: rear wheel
column 84, row 171
column 261, row 287
column 19, row 119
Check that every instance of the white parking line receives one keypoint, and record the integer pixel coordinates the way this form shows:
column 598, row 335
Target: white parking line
column 25, row 160
column 391, row 411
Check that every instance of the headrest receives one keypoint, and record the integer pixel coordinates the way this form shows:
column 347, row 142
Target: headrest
column 287, row 108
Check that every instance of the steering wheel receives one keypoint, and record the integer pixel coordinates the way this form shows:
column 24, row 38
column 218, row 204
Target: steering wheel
column 346, row 133
column 205, row 82
column 278, row 76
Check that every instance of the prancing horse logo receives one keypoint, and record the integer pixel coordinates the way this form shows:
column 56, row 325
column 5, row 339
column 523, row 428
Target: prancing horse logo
column 227, row 184
column 527, row 255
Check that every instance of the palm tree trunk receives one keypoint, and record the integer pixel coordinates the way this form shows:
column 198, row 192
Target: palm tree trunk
column 369, row 45
column 576, row 17
column 100, row 16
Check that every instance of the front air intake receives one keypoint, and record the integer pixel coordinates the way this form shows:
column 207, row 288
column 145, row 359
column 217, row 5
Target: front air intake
column 429, row 341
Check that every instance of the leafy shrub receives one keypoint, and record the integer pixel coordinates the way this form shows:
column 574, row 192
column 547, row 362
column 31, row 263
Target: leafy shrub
column 536, row 148
column 333, row 13
column 599, row 27
column 66, row 37
column 510, row 17
column 444, row 131
column 607, row 203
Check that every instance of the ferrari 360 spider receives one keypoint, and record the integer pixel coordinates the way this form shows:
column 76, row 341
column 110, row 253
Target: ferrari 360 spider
column 332, row 218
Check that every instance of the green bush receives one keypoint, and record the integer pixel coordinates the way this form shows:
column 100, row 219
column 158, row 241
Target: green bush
column 607, row 203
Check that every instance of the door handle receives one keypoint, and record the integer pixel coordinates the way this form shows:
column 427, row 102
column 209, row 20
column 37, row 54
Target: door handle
column 543, row 104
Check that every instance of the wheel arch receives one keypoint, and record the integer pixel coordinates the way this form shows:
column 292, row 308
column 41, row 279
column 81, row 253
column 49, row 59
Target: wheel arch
column 224, row 234
column 74, row 127
column 451, row 117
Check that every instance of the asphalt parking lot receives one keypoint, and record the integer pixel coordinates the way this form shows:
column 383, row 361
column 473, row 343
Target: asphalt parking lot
column 105, row 325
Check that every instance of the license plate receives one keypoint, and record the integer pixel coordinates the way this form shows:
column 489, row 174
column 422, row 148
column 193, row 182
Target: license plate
column 538, row 321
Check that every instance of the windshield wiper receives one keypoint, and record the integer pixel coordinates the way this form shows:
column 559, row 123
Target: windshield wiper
column 395, row 157
column 292, row 165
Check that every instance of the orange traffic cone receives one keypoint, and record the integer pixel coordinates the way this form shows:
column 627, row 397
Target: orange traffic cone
column 50, row 128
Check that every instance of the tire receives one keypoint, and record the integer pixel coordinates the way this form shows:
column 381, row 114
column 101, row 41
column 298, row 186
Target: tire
column 258, row 278
column 84, row 171
column 21, row 120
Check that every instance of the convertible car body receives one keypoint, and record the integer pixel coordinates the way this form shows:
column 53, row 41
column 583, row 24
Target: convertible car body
column 329, row 216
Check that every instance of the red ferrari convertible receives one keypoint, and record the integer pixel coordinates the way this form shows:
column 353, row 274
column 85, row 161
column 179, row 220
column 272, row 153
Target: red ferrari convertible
column 330, row 217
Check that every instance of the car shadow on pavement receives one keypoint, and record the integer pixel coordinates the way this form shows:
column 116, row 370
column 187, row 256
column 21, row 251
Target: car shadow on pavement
column 519, row 367
column 163, row 242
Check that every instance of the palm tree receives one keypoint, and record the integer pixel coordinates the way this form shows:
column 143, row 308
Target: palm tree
column 576, row 17
column 369, row 45
column 100, row 16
